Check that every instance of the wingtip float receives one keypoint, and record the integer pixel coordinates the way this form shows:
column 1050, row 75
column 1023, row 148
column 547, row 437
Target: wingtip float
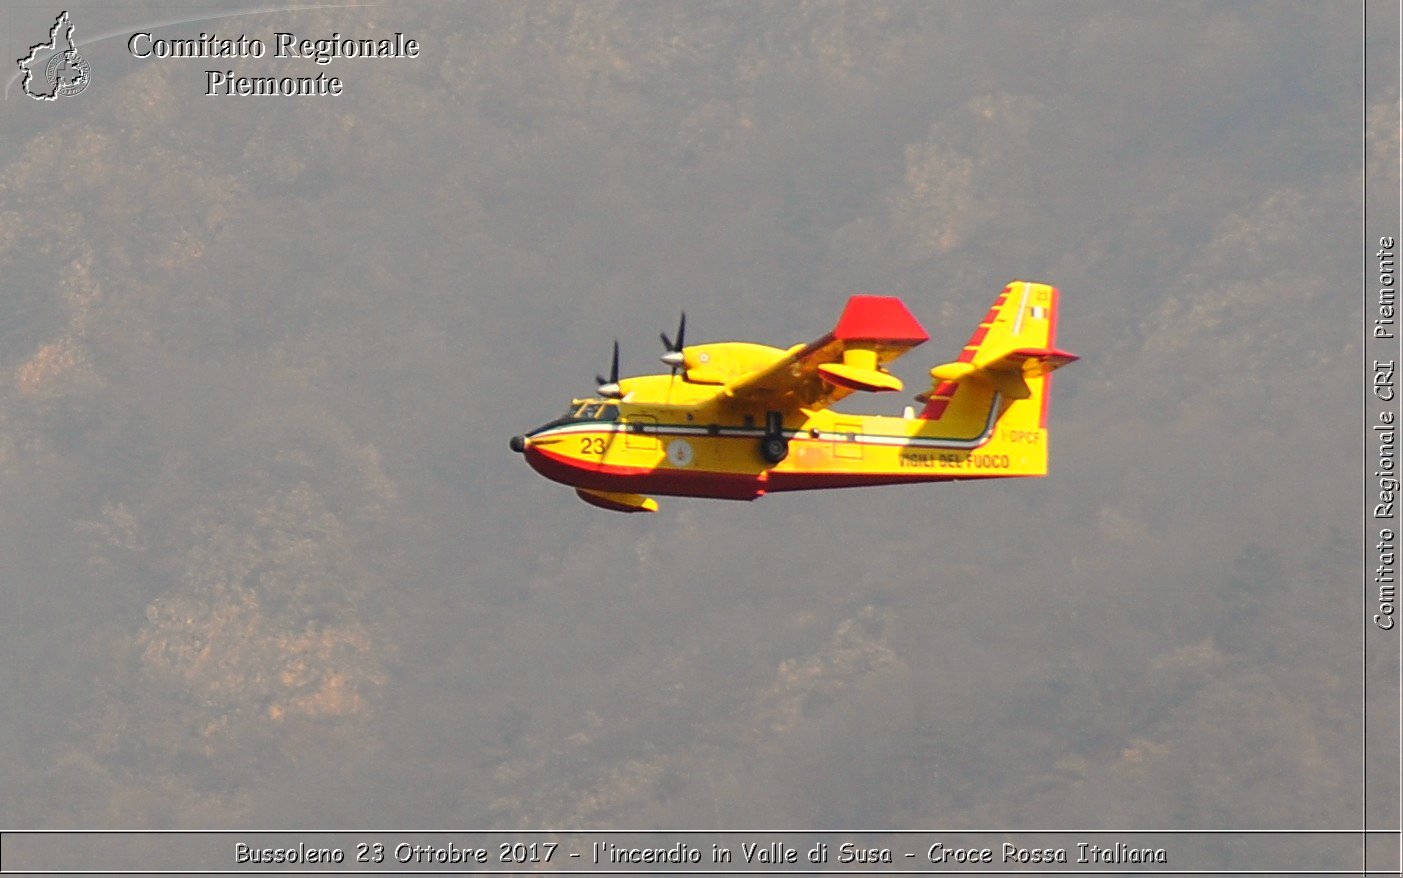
column 736, row 420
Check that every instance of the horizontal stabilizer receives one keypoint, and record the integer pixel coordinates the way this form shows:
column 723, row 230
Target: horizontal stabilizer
column 1007, row 372
column 1032, row 362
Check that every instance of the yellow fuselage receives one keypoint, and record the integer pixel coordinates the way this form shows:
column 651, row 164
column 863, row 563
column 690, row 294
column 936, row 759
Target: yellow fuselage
column 738, row 420
column 710, row 450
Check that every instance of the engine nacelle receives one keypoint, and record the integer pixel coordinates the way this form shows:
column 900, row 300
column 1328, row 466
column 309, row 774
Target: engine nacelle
column 721, row 362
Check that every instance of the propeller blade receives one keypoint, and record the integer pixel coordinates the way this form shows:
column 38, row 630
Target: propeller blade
column 673, row 357
column 674, row 347
column 610, row 386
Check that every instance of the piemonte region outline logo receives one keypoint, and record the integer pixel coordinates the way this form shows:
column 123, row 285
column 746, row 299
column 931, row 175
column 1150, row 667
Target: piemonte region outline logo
column 65, row 72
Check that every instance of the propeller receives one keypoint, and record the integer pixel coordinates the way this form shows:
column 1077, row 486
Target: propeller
column 610, row 388
column 673, row 357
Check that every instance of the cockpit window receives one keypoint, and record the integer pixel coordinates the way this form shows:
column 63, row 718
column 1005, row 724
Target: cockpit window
column 590, row 410
column 594, row 411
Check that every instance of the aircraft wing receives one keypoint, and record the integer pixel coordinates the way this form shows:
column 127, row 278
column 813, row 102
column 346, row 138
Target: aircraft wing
column 872, row 331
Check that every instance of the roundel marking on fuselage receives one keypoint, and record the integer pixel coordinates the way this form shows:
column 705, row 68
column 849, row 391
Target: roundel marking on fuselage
column 679, row 452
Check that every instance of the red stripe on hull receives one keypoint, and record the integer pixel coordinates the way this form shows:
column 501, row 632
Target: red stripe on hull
column 715, row 485
column 637, row 480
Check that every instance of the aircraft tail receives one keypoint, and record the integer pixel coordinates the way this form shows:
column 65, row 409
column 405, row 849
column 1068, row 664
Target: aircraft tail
column 1008, row 359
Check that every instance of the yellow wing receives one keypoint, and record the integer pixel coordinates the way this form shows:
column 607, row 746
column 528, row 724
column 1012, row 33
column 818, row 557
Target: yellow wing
column 872, row 331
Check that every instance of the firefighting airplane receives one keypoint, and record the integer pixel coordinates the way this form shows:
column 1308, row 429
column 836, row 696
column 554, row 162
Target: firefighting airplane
column 737, row 420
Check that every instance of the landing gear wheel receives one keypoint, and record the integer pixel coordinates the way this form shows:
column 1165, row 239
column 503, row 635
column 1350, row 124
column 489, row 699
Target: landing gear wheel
column 774, row 448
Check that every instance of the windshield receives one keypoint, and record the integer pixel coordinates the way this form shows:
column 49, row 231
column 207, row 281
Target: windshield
column 578, row 412
column 593, row 411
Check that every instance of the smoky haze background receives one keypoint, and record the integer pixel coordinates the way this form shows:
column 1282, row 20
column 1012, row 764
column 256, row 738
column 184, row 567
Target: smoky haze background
column 267, row 559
